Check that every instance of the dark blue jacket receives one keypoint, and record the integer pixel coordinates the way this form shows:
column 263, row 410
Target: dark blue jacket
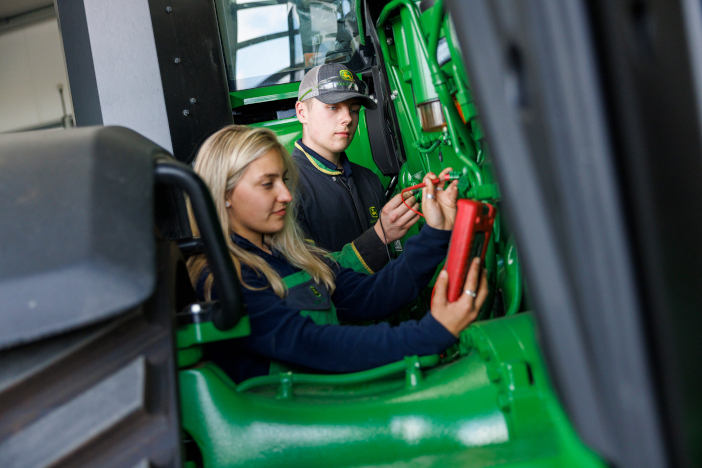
column 281, row 333
column 337, row 207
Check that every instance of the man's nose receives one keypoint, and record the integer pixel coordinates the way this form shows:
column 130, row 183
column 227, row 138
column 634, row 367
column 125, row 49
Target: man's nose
column 345, row 115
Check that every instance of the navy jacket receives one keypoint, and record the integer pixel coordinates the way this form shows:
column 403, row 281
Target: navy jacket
column 338, row 207
column 281, row 333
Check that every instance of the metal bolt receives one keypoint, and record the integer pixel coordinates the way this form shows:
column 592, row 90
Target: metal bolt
column 169, row 9
column 394, row 95
column 177, row 60
column 390, row 41
column 192, row 100
column 186, row 112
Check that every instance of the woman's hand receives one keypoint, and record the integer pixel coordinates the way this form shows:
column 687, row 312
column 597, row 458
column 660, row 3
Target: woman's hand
column 456, row 316
column 439, row 203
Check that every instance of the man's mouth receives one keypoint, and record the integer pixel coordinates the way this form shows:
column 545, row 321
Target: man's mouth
column 343, row 134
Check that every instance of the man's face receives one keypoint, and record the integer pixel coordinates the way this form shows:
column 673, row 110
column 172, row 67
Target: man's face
column 329, row 128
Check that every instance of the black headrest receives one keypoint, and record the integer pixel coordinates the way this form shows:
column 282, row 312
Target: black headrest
column 77, row 240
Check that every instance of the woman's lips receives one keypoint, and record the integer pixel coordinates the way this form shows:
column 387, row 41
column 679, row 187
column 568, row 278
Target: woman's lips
column 280, row 213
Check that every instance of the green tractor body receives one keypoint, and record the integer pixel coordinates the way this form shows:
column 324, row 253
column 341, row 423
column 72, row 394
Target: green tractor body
column 565, row 373
column 488, row 401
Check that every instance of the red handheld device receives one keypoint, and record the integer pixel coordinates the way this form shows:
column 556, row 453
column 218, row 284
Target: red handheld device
column 471, row 233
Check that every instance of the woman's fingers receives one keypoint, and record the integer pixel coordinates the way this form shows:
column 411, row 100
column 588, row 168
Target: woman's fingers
column 452, row 191
column 442, row 175
column 471, row 283
column 482, row 289
column 439, row 299
column 428, row 190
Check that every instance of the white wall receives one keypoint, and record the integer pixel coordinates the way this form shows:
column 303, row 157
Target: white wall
column 31, row 65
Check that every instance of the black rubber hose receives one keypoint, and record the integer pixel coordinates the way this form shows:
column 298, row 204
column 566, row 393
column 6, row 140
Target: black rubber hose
column 226, row 282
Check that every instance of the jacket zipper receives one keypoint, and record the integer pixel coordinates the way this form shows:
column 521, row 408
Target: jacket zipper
column 341, row 182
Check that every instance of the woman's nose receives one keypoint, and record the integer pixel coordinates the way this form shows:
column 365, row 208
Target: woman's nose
column 284, row 195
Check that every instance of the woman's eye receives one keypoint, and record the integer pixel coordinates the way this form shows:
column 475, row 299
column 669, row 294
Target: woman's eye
column 268, row 184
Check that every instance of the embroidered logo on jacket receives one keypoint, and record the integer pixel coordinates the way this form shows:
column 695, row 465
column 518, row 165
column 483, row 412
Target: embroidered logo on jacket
column 373, row 211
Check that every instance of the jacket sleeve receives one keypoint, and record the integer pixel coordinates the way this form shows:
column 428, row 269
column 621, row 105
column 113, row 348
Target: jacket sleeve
column 369, row 247
column 367, row 254
column 362, row 297
column 282, row 334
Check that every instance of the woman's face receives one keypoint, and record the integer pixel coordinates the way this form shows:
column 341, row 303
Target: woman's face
column 259, row 200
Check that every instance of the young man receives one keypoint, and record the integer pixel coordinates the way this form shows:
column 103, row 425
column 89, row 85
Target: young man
column 340, row 202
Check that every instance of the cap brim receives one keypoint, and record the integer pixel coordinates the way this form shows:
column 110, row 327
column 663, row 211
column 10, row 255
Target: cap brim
column 335, row 98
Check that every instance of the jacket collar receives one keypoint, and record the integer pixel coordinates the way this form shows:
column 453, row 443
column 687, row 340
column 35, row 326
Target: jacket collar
column 323, row 165
column 249, row 246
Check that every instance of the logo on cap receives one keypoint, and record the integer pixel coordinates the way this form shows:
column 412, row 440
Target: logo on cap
column 346, row 75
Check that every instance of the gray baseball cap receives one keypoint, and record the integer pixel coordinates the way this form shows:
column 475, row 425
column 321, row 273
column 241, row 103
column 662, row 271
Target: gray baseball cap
column 332, row 83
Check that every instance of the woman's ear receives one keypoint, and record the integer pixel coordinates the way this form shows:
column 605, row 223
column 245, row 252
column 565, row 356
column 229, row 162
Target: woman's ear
column 228, row 198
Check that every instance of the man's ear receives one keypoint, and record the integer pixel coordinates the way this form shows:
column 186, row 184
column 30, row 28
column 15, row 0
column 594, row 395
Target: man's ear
column 301, row 112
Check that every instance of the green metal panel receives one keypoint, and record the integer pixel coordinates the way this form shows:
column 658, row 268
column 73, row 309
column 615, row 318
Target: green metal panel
column 264, row 94
column 488, row 404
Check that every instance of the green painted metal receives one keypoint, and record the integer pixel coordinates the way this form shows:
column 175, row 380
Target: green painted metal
column 264, row 94
column 488, row 403
column 205, row 332
column 191, row 337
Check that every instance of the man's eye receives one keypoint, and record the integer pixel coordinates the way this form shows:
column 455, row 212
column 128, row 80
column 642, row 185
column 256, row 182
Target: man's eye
column 356, row 111
column 331, row 107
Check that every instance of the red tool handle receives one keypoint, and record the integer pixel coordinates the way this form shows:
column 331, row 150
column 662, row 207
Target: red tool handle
column 470, row 237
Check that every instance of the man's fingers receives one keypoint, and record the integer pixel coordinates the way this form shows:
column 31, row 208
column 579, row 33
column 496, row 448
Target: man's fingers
column 438, row 299
column 394, row 202
column 407, row 219
column 402, row 208
column 411, row 201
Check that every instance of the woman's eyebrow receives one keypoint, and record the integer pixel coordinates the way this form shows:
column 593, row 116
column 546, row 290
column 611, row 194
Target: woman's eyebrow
column 270, row 174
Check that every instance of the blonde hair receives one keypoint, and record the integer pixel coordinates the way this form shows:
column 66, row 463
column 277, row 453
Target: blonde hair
column 221, row 163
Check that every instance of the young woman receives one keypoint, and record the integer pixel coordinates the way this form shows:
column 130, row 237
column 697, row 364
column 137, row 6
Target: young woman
column 296, row 295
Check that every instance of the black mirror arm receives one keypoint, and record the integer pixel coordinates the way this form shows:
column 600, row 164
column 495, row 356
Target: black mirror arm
column 169, row 172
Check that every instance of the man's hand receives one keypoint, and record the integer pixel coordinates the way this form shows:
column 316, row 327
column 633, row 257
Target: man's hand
column 396, row 219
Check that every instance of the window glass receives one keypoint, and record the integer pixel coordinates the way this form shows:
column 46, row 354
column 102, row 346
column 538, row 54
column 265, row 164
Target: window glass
column 274, row 41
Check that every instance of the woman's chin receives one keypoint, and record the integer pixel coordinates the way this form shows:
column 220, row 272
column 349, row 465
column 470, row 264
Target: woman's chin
column 274, row 228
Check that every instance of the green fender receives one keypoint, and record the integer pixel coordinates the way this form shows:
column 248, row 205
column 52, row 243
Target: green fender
column 489, row 403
